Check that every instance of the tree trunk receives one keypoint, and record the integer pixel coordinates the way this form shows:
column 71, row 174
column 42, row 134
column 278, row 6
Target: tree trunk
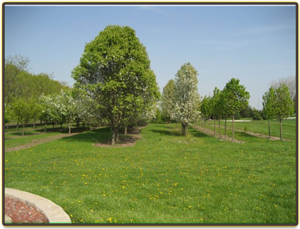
column 17, row 125
column 281, row 134
column 45, row 127
column 53, row 124
column 69, row 128
column 214, row 125
column 60, row 126
column 269, row 128
column 184, row 129
column 115, row 137
column 34, row 124
column 23, row 131
column 125, row 130
column 232, row 138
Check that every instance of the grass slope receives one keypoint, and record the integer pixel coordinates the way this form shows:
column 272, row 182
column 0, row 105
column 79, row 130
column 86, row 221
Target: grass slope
column 164, row 178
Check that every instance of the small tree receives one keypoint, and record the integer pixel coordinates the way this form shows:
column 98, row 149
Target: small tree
column 22, row 111
column 36, row 110
column 8, row 114
column 167, row 100
column 68, row 107
column 256, row 114
column 236, row 98
column 291, row 83
column 284, row 106
column 206, row 108
column 269, row 106
column 45, row 116
column 187, row 99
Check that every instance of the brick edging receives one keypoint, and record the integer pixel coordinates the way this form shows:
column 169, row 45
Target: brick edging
column 53, row 212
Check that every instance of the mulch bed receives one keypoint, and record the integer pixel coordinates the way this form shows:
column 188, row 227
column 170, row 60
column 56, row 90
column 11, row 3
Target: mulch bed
column 124, row 140
column 21, row 212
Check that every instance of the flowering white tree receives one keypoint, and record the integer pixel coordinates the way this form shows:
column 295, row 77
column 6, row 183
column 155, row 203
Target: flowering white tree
column 47, row 109
column 59, row 108
column 86, row 108
column 187, row 99
column 68, row 107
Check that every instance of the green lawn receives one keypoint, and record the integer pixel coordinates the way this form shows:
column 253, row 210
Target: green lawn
column 164, row 178
column 13, row 136
column 288, row 127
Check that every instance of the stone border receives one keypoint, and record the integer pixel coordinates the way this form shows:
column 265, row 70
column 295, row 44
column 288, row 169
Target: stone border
column 53, row 212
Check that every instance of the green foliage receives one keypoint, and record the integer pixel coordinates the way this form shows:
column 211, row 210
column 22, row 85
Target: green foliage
column 283, row 104
column 246, row 112
column 22, row 111
column 236, row 96
column 158, row 116
column 256, row 114
column 206, row 107
column 269, row 104
column 8, row 113
column 20, row 84
column 115, row 70
column 168, row 100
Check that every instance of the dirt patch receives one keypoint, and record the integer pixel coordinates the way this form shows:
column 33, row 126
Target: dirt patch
column 21, row 212
column 124, row 140
column 38, row 142
column 221, row 137
column 265, row 136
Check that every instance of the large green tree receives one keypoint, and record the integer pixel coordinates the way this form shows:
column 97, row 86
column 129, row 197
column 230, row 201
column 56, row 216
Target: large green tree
column 187, row 99
column 236, row 98
column 115, row 70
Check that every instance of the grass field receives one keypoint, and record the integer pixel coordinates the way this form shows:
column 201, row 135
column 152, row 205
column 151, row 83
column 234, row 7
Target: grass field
column 163, row 178
column 288, row 126
column 13, row 136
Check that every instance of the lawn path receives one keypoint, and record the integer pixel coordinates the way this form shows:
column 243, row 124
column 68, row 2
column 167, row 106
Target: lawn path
column 255, row 134
column 38, row 142
column 211, row 133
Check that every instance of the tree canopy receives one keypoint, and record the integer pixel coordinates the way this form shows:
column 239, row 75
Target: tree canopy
column 168, row 100
column 115, row 70
column 187, row 99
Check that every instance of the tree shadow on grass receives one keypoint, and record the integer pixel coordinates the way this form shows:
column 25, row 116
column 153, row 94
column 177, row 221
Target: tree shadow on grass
column 25, row 133
column 92, row 136
column 249, row 138
column 167, row 132
column 197, row 133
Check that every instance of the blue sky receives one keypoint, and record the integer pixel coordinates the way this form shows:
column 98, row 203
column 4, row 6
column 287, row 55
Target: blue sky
column 255, row 44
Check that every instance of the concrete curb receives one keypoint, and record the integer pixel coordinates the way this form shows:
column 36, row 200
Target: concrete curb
column 53, row 212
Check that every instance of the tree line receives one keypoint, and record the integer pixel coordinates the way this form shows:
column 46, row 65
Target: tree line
column 278, row 102
column 116, row 87
column 222, row 104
